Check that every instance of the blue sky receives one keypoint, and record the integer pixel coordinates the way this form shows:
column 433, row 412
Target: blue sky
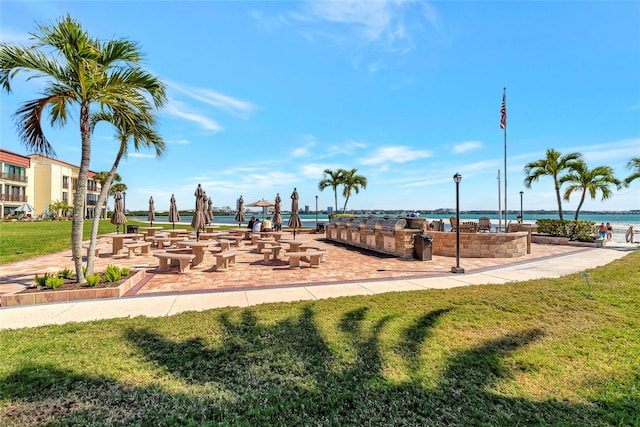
column 263, row 96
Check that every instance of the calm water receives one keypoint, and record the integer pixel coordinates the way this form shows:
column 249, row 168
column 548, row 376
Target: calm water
column 309, row 220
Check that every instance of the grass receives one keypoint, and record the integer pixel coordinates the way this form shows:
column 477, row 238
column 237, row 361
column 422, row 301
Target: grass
column 544, row 352
column 23, row 240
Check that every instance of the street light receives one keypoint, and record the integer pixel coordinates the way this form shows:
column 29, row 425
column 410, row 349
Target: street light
column 457, row 269
column 124, row 203
column 316, row 213
column 521, row 217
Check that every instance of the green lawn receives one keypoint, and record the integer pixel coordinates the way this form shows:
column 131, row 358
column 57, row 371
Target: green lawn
column 545, row 352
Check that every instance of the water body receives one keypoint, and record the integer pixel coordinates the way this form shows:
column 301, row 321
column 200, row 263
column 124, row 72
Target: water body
column 309, row 220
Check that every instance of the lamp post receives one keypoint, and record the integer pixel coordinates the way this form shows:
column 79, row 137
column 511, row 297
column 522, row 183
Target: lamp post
column 457, row 269
column 521, row 217
column 124, row 203
column 316, row 213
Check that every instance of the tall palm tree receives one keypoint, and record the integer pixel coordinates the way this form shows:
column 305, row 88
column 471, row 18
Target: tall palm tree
column 332, row 179
column 552, row 165
column 137, row 127
column 351, row 182
column 80, row 72
column 633, row 164
column 101, row 177
column 584, row 180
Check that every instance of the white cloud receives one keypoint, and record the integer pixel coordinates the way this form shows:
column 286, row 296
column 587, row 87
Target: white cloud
column 222, row 102
column 178, row 141
column 142, row 155
column 180, row 109
column 466, row 146
column 299, row 152
column 345, row 148
column 395, row 154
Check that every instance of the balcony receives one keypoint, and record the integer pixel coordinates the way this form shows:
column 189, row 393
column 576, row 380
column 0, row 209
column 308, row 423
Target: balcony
column 14, row 198
column 13, row 177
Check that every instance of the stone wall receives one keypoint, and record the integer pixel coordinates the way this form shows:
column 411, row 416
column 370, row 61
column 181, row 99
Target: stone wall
column 481, row 245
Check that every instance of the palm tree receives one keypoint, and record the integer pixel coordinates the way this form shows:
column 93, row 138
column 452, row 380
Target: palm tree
column 552, row 165
column 137, row 126
column 633, row 164
column 101, row 177
column 351, row 182
column 80, row 72
column 332, row 179
column 583, row 179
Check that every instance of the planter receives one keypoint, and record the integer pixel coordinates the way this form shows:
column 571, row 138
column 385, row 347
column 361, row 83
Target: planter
column 72, row 294
column 545, row 239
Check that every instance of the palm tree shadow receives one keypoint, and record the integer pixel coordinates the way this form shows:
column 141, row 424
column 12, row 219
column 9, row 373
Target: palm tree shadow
column 285, row 372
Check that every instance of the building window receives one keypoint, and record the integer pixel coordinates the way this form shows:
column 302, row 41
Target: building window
column 65, row 196
column 65, row 182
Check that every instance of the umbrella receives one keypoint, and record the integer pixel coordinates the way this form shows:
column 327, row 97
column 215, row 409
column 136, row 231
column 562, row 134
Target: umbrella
column 277, row 216
column 262, row 203
column 240, row 213
column 209, row 210
column 24, row 208
column 152, row 212
column 294, row 219
column 118, row 217
column 199, row 220
column 174, row 215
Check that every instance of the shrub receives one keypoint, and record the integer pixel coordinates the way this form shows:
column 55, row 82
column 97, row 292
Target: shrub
column 93, row 279
column 574, row 230
column 54, row 282
column 112, row 273
column 42, row 280
column 125, row 271
column 65, row 274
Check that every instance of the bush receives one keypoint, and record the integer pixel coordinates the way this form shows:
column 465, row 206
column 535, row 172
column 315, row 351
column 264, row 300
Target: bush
column 65, row 274
column 112, row 273
column 125, row 271
column 93, row 279
column 42, row 280
column 54, row 282
column 574, row 230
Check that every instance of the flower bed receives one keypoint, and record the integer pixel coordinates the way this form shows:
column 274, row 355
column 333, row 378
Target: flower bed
column 73, row 292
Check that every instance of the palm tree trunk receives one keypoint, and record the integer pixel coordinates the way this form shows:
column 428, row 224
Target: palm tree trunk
column 335, row 196
column 555, row 181
column 344, row 209
column 102, row 198
column 584, row 194
column 80, row 194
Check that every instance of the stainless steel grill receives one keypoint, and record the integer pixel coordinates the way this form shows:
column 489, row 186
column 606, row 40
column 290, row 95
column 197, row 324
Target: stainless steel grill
column 390, row 225
column 371, row 224
column 355, row 224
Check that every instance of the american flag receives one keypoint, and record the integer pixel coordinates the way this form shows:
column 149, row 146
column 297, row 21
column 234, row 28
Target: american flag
column 503, row 112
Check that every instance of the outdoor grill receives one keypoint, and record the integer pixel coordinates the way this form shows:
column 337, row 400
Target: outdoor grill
column 370, row 225
column 390, row 225
column 355, row 224
column 344, row 223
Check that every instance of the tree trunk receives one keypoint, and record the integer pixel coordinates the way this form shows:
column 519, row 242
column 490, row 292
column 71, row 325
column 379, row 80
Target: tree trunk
column 102, row 198
column 335, row 196
column 81, row 193
column 584, row 194
column 555, row 181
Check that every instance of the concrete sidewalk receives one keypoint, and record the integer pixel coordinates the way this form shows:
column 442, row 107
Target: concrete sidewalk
column 167, row 305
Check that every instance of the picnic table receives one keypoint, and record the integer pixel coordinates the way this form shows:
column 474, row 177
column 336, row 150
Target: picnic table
column 117, row 240
column 294, row 245
column 197, row 248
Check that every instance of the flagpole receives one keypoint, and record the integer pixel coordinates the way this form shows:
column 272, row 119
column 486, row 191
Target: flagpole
column 499, row 205
column 503, row 125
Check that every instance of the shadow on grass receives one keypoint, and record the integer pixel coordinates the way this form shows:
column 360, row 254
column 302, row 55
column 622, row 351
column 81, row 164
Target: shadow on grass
column 287, row 373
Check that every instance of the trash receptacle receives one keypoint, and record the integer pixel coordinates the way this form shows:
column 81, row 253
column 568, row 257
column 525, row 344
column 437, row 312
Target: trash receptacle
column 422, row 247
column 132, row 228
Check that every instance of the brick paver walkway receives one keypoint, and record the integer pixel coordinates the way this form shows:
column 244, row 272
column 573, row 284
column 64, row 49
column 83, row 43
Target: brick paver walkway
column 342, row 264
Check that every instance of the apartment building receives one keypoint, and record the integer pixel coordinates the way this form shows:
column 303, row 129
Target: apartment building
column 39, row 181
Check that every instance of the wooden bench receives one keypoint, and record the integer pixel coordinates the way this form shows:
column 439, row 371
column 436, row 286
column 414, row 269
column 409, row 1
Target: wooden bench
column 143, row 246
column 224, row 259
column 180, row 259
column 312, row 257
column 271, row 253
